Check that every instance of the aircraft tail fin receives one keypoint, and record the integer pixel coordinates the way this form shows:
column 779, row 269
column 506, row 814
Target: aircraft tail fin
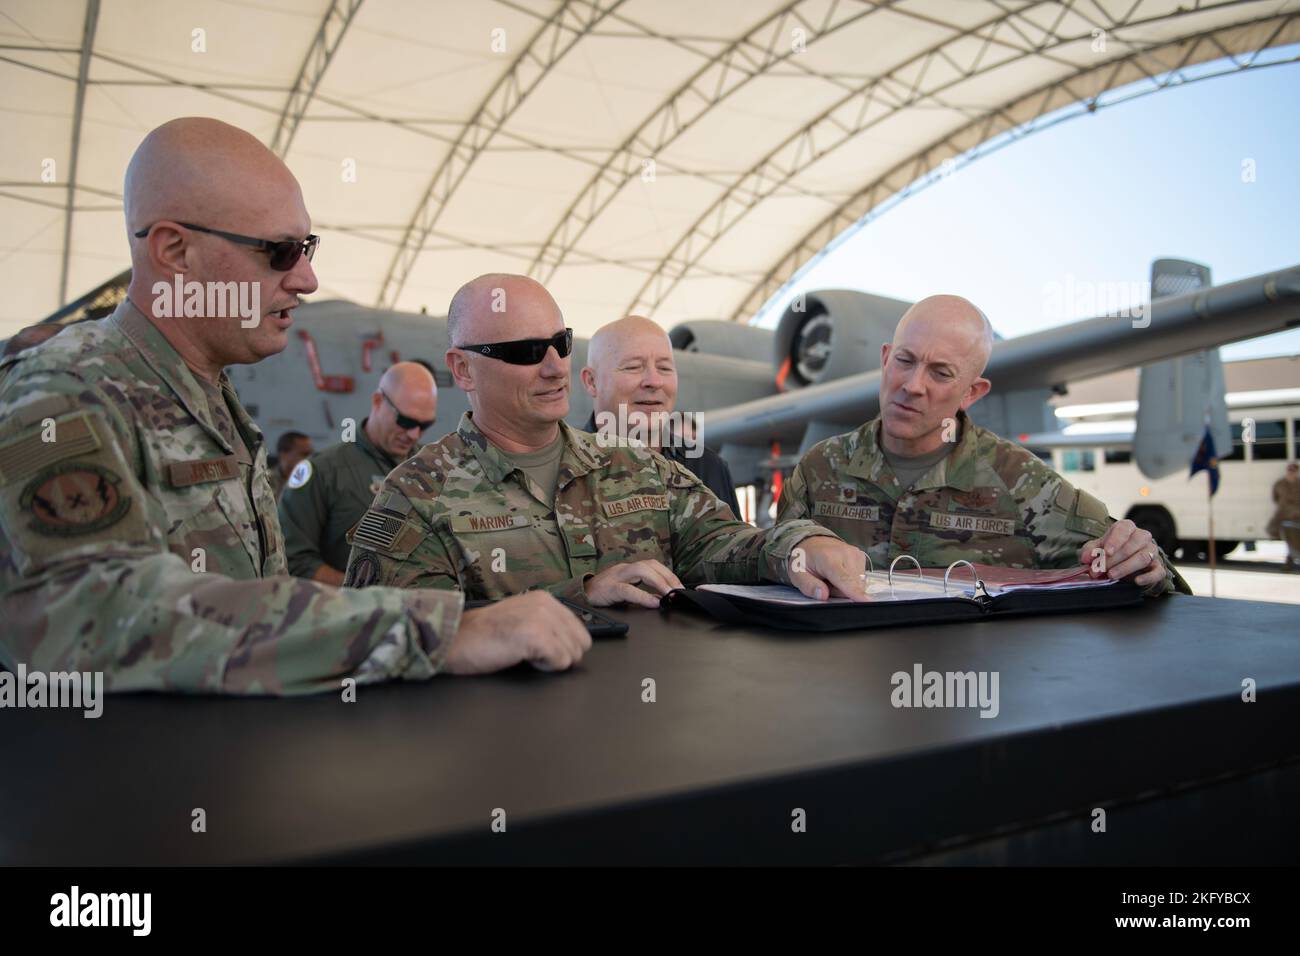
column 1178, row 397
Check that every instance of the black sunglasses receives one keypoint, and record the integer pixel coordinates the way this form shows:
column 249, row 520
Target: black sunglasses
column 406, row 422
column 284, row 252
column 524, row 351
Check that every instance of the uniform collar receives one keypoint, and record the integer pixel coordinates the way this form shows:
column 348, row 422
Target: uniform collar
column 374, row 451
column 168, row 365
column 673, row 451
column 955, row 471
column 581, row 453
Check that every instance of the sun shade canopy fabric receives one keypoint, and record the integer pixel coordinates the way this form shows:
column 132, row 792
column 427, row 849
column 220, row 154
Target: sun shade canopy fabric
column 678, row 159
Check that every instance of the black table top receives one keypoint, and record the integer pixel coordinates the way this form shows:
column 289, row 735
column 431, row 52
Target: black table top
column 747, row 726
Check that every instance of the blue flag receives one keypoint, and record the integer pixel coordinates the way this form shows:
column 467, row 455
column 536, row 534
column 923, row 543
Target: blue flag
column 1206, row 459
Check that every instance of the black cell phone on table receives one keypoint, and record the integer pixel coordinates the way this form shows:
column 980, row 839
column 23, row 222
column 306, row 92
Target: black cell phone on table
column 597, row 624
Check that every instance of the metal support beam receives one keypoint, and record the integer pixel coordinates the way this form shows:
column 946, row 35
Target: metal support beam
column 78, row 108
column 751, row 56
column 875, row 100
column 1157, row 68
column 333, row 26
column 561, row 31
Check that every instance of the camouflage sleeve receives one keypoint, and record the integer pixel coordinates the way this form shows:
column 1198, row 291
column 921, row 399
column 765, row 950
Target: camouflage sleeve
column 794, row 497
column 572, row 589
column 394, row 547
column 1061, row 519
column 89, row 584
column 303, row 515
column 710, row 545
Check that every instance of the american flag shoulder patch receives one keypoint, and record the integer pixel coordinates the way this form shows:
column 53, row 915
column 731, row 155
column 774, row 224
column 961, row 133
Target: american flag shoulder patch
column 382, row 523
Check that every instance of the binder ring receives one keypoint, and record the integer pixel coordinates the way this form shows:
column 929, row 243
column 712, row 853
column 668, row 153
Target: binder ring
column 979, row 585
column 919, row 573
column 871, row 569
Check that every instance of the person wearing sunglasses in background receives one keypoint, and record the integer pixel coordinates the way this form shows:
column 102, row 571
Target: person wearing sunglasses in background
column 326, row 496
column 138, row 531
column 515, row 499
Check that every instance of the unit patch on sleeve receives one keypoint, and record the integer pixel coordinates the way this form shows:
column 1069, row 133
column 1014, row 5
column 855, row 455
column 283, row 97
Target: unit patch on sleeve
column 74, row 498
column 300, row 475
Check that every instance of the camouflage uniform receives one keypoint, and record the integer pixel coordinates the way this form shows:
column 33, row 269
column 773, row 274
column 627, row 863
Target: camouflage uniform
column 458, row 515
column 106, row 530
column 990, row 501
column 277, row 481
column 1285, row 523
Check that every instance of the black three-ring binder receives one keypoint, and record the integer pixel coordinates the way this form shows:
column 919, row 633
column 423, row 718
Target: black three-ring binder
column 935, row 596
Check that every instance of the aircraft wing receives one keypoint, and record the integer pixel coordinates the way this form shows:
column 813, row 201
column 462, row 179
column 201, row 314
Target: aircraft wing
column 1177, row 325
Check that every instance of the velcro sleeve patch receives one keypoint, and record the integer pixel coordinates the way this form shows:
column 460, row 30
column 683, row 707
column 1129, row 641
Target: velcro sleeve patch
column 377, row 531
column 74, row 498
column 51, row 406
column 679, row 476
column 71, row 507
column 394, row 503
column 23, row 457
column 1090, row 507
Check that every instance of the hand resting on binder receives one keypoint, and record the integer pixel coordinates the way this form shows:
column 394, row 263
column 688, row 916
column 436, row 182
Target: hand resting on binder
column 1127, row 549
column 821, row 566
column 827, row 567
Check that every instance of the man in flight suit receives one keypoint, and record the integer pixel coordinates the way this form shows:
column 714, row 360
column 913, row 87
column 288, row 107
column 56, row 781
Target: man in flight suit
column 326, row 496
column 291, row 448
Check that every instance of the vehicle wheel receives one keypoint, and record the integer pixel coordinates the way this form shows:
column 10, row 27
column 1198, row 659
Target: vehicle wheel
column 1224, row 548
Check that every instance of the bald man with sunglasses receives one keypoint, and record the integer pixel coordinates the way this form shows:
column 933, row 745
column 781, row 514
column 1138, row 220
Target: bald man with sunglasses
column 138, row 530
column 326, row 496
column 516, row 500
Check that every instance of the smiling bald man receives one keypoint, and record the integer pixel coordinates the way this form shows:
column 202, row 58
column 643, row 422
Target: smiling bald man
column 631, row 377
column 921, row 479
column 138, row 531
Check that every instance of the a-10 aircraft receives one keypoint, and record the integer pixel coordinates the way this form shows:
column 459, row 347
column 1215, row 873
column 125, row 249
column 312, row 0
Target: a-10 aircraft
column 768, row 395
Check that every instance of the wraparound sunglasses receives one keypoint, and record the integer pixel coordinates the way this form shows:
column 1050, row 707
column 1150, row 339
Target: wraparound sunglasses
column 524, row 351
column 406, row 422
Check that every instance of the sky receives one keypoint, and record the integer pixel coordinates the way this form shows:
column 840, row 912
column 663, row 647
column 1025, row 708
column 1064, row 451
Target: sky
column 1095, row 199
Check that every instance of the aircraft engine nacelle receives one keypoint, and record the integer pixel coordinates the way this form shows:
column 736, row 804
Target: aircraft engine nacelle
column 719, row 337
column 830, row 334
